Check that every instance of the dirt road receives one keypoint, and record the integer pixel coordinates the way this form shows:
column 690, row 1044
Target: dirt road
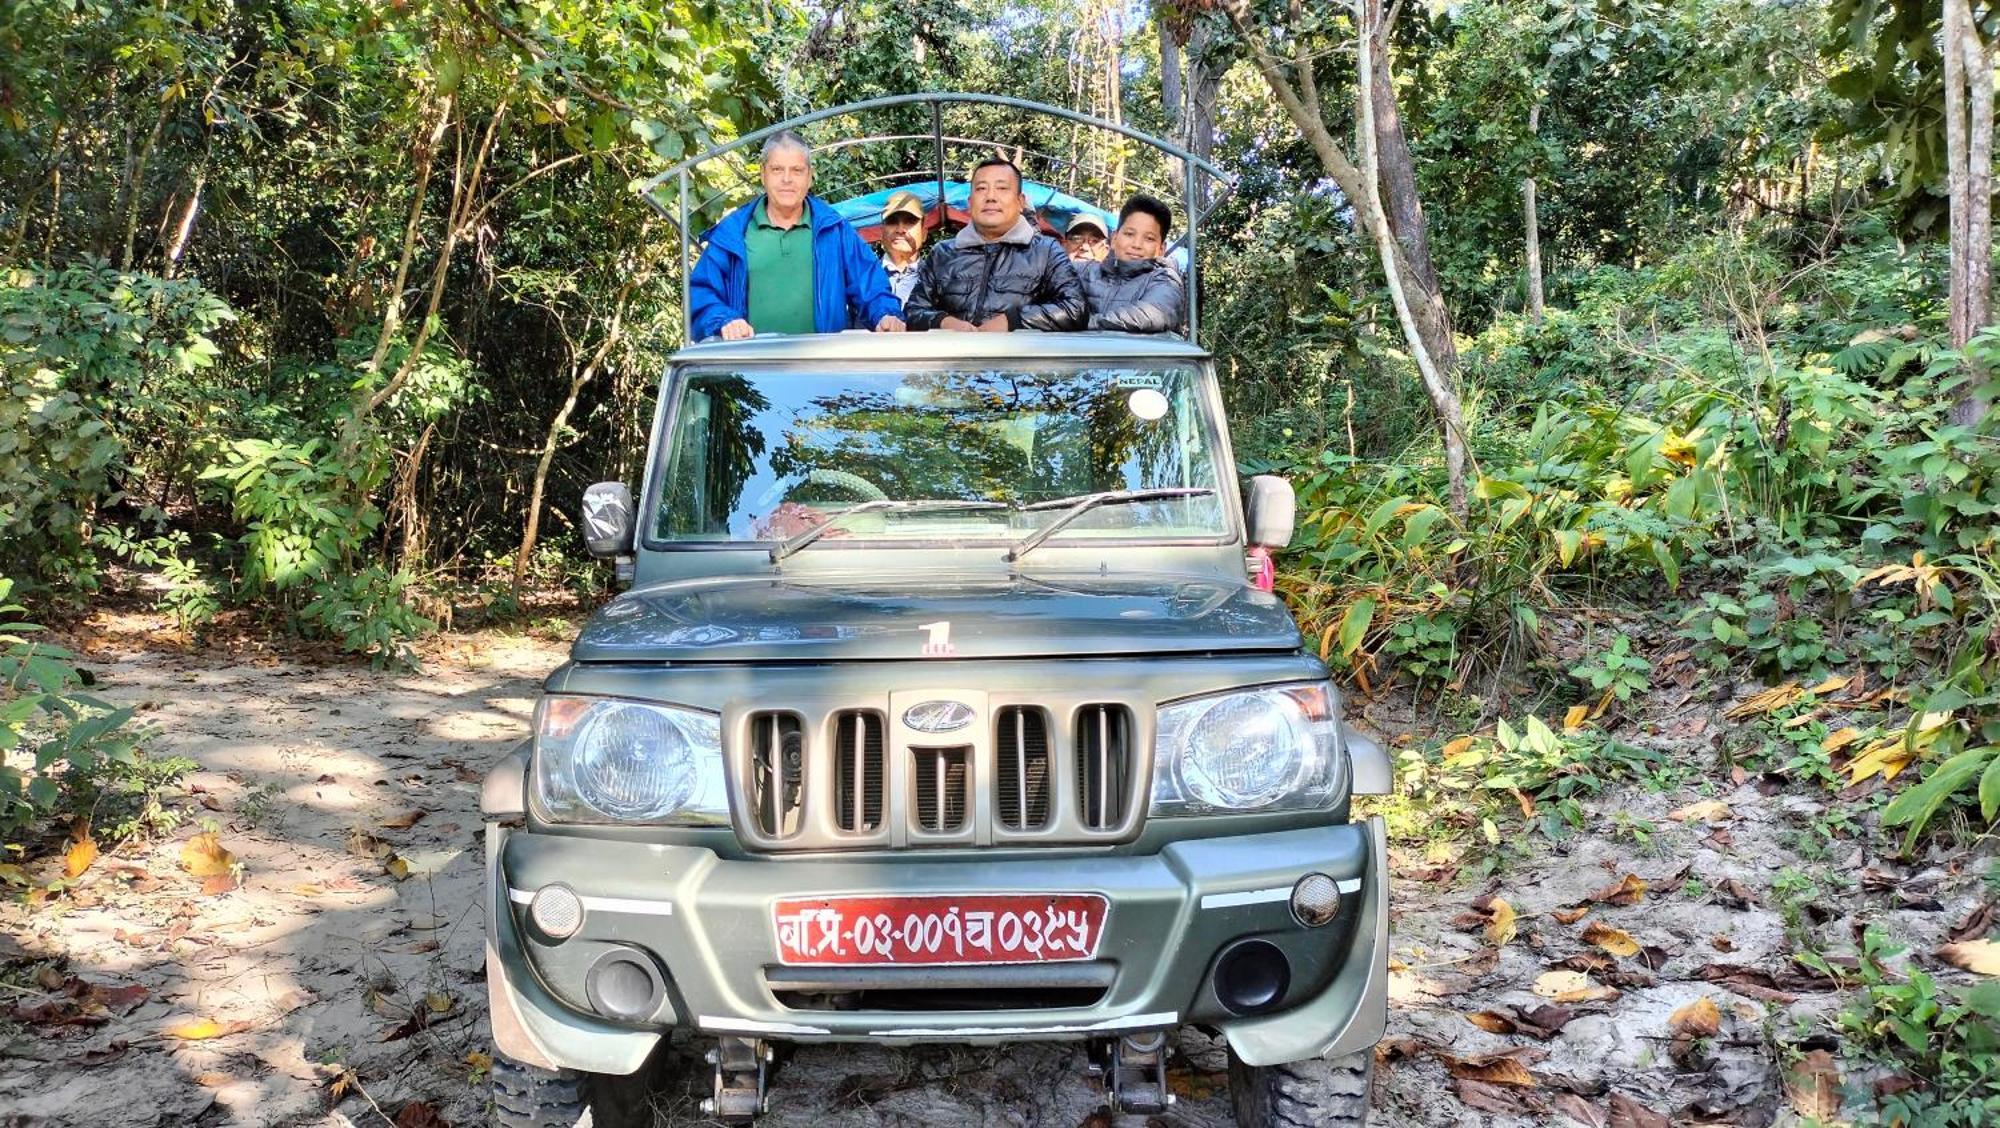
column 342, row 977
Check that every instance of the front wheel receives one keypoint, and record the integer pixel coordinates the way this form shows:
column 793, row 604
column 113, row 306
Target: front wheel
column 527, row 1096
column 1315, row 1093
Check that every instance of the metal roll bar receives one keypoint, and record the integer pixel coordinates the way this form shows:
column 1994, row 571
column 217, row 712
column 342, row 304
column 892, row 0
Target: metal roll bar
column 1193, row 167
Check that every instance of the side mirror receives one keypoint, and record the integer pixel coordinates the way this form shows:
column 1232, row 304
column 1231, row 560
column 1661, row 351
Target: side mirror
column 607, row 519
column 1271, row 511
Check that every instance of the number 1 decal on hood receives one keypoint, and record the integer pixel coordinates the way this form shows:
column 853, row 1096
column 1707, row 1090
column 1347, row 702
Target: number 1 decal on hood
column 937, row 639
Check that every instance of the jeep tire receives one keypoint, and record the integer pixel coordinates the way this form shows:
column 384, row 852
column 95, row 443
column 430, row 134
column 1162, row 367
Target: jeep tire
column 1303, row 1094
column 528, row 1096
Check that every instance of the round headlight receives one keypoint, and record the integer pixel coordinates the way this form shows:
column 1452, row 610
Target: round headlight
column 633, row 762
column 1246, row 752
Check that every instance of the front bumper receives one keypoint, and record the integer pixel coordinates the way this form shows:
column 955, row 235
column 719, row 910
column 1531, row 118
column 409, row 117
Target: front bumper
column 706, row 924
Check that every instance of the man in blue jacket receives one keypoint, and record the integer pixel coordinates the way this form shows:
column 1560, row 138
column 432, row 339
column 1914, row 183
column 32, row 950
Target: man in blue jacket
column 787, row 263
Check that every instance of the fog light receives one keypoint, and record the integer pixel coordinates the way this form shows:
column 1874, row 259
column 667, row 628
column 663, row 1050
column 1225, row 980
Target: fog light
column 1315, row 900
column 1252, row 976
column 557, row 911
column 625, row 984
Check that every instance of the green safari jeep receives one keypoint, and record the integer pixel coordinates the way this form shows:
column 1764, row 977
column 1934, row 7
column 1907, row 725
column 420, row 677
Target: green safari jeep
column 942, row 707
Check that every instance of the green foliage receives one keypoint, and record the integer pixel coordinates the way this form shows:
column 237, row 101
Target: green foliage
column 1947, row 1042
column 55, row 741
column 1617, row 672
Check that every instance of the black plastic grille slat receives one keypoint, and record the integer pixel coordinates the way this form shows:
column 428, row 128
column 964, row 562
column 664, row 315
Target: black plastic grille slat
column 857, row 759
column 1021, row 747
column 1103, row 764
column 943, row 788
column 777, row 772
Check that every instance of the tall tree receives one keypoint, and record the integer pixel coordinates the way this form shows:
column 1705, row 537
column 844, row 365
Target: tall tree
column 1968, row 115
column 1284, row 51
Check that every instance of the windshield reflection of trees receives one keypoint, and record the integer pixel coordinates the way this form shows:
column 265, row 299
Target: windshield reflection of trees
column 991, row 435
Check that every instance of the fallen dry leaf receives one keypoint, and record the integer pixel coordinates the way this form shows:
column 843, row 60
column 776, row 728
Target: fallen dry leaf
column 1480, row 1096
column 1614, row 940
column 1579, row 1110
column 212, row 1080
column 1572, row 987
column 1630, row 890
column 1769, row 701
column 1571, row 915
column 1976, row 924
column 1721, row 943
column 405, row 821
column 1628, row 1113
column 1839, row 739
column 397, row 867
column 1831, row 686
column 1573, row 719
column 1499, row 1071
column 202, row 1029
column 219, row 884
column 361, row 844
column 203, row 856
column 1501, row 928
column 105, row 1056
column 13, row 874
column 1734, row 890
column 77, row 859
column 1492, row 1022
column 1812, row 1085
column 1699, row 1019
column 1981, row 957
column 1708, row 810
column 418, row 1114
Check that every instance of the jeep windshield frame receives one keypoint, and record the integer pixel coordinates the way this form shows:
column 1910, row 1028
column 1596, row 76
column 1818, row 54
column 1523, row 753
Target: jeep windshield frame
column 1006, row 484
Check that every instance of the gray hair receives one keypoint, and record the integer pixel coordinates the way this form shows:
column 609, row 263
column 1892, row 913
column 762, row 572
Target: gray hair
column 786, row 139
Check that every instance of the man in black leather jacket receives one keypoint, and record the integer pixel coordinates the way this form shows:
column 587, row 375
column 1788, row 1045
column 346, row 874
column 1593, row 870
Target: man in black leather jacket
column 998, row 274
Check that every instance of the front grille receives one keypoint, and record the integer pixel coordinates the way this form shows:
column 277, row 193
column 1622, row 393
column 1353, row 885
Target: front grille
column 777, row 772
column 1103, row 764
column 1048, row 769
column 1021, row 754
column 857, row 772
column 943, row 788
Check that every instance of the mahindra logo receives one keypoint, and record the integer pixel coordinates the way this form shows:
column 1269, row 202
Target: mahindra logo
column 938, row 716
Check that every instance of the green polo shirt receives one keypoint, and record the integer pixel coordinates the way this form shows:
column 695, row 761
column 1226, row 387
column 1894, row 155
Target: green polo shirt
column 781, row 273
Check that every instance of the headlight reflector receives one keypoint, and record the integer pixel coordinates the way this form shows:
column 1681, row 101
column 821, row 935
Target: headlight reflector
column 606, row 760
column 1271, row 749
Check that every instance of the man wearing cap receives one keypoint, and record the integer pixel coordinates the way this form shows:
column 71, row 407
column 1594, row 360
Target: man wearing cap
column 1136, row 290
column 787, row 263
column 902, row 242
column 1085, row 239
column 997, row 274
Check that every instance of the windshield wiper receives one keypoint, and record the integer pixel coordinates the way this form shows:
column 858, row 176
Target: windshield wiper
column 919, row 505
column 1078, row 506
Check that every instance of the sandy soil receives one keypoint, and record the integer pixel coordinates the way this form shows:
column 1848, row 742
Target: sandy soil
column 345, row 971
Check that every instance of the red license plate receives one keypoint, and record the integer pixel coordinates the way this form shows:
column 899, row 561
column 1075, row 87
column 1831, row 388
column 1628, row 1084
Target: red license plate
column 947, row 928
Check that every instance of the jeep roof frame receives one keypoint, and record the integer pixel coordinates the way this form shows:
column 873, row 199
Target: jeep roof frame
column 1193, row 204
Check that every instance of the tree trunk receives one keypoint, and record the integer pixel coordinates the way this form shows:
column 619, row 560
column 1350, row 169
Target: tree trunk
column 1533, row 223
column 1361, row 187
column 1404, row 208
column 1968, row 90
column 1172, row 111
column 185, row 230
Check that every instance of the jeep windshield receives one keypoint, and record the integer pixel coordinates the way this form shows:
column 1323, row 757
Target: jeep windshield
column 942, row 455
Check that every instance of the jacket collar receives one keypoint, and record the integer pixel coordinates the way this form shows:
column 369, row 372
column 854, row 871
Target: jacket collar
column 1021, row 234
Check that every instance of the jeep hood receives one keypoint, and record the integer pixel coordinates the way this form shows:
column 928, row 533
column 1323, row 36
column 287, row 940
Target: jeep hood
column 771, row 618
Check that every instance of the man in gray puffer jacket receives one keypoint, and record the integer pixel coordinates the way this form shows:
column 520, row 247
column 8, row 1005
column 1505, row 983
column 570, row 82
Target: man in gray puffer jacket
column 1135, row 290
column 998, row 274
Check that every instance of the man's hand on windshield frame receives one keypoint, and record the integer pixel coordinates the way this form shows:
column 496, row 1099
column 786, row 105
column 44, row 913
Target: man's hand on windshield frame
column 890, row 323
column 738, row 330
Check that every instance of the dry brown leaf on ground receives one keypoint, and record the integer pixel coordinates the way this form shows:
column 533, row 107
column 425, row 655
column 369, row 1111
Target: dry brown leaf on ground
column 1831, row 686
column 1614, row 940
column 1699, row 1019
column 418, row 1114
column 397, row 867
column 202, row 1029
column 1629, row 890
column 1492, row 1022
column 204, row 856
column 1981, row 957
column 78, row 857
column 405, row 821
column 1628, row 1113
column 1839, row 739
column 1769, row 701
column 1734, row 890
column 1500, row 1071
column 1976, row 924
column 1572, row 987
column 1579, row 1110
column 1710, row 811
column 110, row 1053
column 362, row 844
column 1501, row 928
column 1575, row 716
column 1812, row 1085
column 1571, row 915
column 1495, row 1098
column 219, row 884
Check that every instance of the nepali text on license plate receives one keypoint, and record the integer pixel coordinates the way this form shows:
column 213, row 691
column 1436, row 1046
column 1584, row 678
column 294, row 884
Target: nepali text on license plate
column 939, row 929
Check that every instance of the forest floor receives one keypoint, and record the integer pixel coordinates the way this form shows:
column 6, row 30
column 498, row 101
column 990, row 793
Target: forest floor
column 340, row 980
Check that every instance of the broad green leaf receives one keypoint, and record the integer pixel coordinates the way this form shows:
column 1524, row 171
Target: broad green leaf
column 1354, row 624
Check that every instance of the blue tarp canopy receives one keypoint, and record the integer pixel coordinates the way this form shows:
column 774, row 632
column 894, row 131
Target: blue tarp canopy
column 1054, row 209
